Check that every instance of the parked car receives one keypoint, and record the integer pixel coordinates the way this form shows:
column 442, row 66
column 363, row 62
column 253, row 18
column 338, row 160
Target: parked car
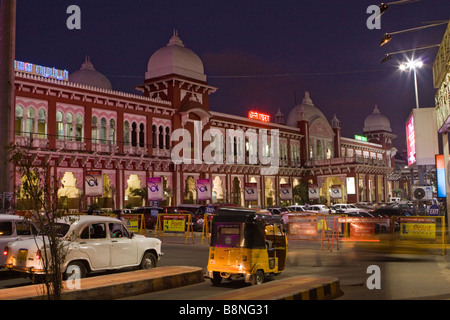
column 94, row 243
column 344, row 208
column 122, row 211
column 296, row 208
column 321, row 208
column 277, row 210
column 150, row 215
column 13, row 228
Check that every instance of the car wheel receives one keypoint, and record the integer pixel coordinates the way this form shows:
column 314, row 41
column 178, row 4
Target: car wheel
column 148, row 261
column 258, row 277
column 216, row 279
column 75, row 268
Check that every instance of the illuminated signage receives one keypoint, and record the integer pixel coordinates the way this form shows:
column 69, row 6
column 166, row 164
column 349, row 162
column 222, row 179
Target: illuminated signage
column 360, row 138
column 259, row 116
column 440, row 176
column 411, row 141
column 37, row 70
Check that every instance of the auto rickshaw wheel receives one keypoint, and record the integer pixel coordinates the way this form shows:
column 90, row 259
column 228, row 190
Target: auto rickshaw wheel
column 216, row 279
column 258, row 277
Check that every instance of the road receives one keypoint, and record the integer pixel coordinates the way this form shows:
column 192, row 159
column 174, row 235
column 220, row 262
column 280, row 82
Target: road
column 424, row 276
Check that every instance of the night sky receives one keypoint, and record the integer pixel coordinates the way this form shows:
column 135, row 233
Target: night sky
column 261, row 54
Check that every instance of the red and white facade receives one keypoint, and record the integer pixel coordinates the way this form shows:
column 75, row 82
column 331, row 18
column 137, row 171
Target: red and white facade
column 76, row 127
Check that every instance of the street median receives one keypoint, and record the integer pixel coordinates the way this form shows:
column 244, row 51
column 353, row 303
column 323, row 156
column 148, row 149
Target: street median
column 114, row 286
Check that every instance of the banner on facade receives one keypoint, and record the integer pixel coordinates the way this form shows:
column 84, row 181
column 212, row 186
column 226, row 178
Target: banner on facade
column 155, row 189
column 285, row 191
column 313, row 191
column 336, row 191
column 203, row 189
column 250, row 191
column 93, row 186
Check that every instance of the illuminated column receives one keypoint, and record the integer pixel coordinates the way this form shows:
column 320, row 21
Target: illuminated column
column 7, row 52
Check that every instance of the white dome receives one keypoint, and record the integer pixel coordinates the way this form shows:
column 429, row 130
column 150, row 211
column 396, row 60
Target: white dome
column 175, row 59
column 89, row 76
column 376, row 122
column 311, row 112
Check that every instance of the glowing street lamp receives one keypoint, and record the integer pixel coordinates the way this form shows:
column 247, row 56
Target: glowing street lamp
column 413, row 65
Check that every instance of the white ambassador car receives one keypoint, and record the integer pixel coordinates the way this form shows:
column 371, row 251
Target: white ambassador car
column 13, row 228
column 95, row 243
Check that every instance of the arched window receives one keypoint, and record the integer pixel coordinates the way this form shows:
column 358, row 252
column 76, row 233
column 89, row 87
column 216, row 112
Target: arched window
column 112, row 131
column 319, row 149
column 167, row 138
column 154, row 136
column 94, row 130
column 103, row 130
column 69, row 127
column 30, row 122
column 42, row 124
column 134, row 134
column 60, row 125
column 161, row 137
column 126, row 133
column 79, row 128
column 18, row 125
column 141, row 135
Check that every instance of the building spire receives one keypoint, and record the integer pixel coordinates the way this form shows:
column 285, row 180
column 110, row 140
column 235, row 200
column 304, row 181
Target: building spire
column 175, row 40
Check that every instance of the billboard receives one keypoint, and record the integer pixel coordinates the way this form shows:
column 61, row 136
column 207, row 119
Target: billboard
column 155, row 189
column 251, row 191
column 204, row 189
column 421, row 136
column 440, row 176
column 93, row 183
column 285, row 191
column 313, row 191
column 411, row 141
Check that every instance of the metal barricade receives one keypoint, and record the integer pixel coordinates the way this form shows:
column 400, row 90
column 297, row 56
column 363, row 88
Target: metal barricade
column 207, row 226
column 174, row 225
column 426, row 232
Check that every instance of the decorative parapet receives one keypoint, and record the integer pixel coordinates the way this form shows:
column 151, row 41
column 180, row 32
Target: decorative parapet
column 119, row 94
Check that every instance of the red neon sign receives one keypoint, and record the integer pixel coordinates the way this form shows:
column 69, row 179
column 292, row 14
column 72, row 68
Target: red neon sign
column 259, row 116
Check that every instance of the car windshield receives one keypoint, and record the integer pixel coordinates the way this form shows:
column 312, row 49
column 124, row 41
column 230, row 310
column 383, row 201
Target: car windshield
column 60, row 229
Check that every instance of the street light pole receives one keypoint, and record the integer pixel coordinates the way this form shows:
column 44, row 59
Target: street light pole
column 415, row 87
column 413, row 65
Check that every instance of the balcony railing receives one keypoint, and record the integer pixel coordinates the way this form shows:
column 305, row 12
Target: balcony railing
column 345, row 160
column 59, row 143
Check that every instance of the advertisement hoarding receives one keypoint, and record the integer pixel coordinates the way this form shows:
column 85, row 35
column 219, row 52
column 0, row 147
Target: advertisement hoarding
column 204, row 189
column 251, row 191
column 93, row 183
column 155, row 189
column 285, row 191
column 421, row 136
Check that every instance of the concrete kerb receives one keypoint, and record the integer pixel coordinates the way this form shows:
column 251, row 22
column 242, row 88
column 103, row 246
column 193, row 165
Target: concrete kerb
column 115, row 286
column 294, row 288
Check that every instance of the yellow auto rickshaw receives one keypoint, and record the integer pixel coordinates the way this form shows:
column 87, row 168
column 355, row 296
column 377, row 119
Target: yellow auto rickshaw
column 246, row 244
